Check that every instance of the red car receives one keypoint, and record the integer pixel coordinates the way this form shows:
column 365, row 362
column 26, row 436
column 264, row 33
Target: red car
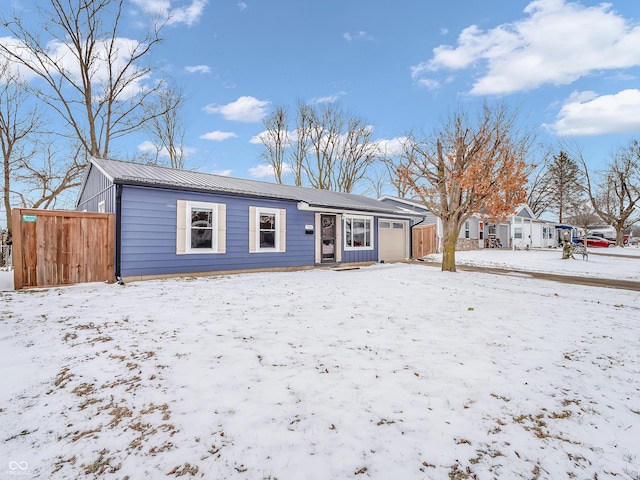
column 593, row 241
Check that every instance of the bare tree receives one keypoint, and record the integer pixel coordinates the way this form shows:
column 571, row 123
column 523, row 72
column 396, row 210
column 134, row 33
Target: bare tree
column 18, row 122
column 469, row 166
column 615, row 192
column 390, row 152
column 329, row 149
column 359, row 152
column 276, row 141
column 538, row 194
column 94, row 78
column 50, row 174
column 166, row 127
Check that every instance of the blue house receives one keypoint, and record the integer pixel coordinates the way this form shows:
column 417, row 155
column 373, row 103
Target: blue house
column 172, row 222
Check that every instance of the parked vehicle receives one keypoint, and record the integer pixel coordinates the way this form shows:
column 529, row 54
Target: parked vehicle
column 595, row 241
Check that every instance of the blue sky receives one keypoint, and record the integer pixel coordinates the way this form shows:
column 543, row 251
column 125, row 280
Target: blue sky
column 572, row 67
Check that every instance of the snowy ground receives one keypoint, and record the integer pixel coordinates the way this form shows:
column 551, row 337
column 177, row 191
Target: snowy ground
column 390, row 371
column 601, row 263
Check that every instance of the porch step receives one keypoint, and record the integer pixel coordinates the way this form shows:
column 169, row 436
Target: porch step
column 342, row 269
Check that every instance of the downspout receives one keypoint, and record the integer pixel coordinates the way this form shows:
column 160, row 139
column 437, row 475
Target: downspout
column 411, row 236
column 118, row 244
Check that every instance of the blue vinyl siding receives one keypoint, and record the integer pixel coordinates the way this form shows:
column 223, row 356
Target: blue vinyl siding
column 149, row 234
column 354, row 256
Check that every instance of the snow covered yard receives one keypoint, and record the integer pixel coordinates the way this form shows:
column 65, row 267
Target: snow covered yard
column 391, row 371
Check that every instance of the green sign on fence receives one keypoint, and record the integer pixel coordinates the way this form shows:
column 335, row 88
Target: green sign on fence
column 29, row 218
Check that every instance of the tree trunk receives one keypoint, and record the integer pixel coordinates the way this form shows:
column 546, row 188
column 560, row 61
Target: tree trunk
column 619, row 236
column 451, row 233
column 6, row 197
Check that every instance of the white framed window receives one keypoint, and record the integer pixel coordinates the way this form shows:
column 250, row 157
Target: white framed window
column 201, row 227
column 467, row 229
column 358, row 232
column 267, row 229
column 517, row 232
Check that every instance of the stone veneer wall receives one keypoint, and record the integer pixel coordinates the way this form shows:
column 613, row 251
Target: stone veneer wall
column 467, row 244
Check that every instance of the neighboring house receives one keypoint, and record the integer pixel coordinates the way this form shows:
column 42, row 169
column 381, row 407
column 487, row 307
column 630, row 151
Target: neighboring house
column 520, row 230
column 527, row 231
column 171, row 222
column 471, row 234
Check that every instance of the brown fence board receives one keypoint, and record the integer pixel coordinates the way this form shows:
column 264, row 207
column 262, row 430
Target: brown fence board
column 62, row 247
column 423, row 240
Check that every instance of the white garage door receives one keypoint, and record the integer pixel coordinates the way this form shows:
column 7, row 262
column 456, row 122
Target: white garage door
column 392, row 240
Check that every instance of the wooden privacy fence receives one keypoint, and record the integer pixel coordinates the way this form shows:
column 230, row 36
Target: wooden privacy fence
column 55, row 247
column 423, row 240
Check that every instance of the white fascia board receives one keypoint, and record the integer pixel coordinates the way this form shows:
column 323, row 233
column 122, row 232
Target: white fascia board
column 306, row 207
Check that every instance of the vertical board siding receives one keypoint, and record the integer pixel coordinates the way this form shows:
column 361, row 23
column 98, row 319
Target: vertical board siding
column 149, row 222
column 357, row 256
column 423, row 240
column 62, row 248
column 97, row 188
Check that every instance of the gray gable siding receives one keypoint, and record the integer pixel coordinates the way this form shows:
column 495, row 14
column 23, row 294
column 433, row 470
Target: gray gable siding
column 411, row 208
column 149, row 234
column 97, row 188
column 523, row 213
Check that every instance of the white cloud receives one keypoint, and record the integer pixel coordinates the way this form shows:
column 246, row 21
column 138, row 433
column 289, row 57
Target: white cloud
column 149, row 147
column 429, row 83
column 259, row 139
column 586, row 114
column 65, row 59
column 556, row 43
column 16, row 67
column 62, row 54
column 198, row 69
column 245, row 109
column 188, row 14
column 328, row 99
column 218, row 136
column 361, row 35
column 223, row 173
column 266, row 171
column 261, row 171
column 242, row 6
column 391, row 146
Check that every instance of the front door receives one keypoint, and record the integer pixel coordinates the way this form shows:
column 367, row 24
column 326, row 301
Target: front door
column 328, row 239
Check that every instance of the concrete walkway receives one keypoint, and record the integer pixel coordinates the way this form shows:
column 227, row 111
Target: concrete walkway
column 569, row 279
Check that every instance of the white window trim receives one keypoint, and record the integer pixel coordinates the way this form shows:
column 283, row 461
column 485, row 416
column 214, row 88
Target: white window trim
column 371, row 229
column 518, row 233
column 183, row 231
column 276, row 214
column 280, row 229
column 214, row 227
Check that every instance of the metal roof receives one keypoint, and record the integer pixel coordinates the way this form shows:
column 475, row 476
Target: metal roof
column 127, row 173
